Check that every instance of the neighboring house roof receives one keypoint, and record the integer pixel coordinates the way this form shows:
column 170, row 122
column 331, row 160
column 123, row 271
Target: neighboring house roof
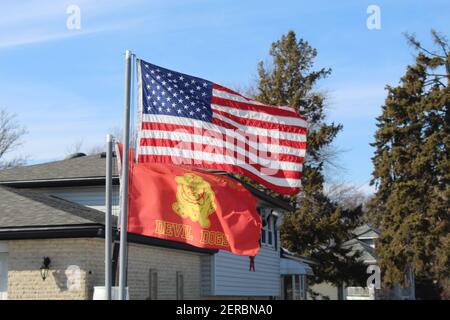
column 89, row 170
column 366, row 231
column 291, row 263
column 83, row 167
column 367, row 253
column 285, row 253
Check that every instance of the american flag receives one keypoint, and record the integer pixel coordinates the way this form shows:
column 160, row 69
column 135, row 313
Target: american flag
column 190, row 121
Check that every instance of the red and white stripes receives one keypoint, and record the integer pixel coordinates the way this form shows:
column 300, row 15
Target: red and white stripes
column 263, row 142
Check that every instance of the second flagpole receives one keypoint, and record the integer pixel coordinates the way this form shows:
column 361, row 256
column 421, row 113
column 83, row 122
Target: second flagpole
column 123, row 253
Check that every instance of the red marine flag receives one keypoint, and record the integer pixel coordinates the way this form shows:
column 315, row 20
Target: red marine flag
column 201, row 209
column 188, row 205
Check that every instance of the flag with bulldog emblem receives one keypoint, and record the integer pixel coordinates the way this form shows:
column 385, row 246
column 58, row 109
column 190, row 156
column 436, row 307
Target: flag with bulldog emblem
column 185, row 205
column 192, row 206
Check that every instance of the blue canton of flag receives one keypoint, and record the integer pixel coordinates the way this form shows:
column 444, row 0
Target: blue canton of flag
column 171, row 93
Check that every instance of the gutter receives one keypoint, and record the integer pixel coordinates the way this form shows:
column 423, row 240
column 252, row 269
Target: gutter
column 90, row 231
column 64, row 182
column 50, row 232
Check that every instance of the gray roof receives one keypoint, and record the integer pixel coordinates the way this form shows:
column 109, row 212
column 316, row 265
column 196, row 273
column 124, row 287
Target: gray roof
column 367, row 252
column 92, row 166
column 366, row 229
column 289, row 254
column 25, row 208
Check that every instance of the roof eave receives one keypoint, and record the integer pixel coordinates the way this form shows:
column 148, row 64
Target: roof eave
column 66, row 182
column 89, row 231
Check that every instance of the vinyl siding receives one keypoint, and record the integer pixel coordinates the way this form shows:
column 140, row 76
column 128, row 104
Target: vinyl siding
column 206, row 275
column 92, row 197
column 232, row 276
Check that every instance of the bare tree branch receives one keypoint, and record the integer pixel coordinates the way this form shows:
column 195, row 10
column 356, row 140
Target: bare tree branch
column 348, row 196
column 411, row 38
column 11, row 133
column 96, row 149
column 74, row 147
column 440, row 40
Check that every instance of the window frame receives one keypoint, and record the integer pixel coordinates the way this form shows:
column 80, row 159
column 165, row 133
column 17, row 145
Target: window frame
column 179, row 285
column 152, row 284
column 4, row 274
column 267, row 229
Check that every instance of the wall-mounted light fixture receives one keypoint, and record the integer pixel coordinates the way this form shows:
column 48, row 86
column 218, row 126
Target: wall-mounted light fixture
column 45, row 267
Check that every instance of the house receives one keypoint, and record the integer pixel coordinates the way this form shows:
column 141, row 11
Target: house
column 293, row 278
column 364, row 243
column 56, row 210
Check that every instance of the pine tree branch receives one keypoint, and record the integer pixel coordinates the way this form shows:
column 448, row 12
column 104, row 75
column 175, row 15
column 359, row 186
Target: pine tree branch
column 416, row 44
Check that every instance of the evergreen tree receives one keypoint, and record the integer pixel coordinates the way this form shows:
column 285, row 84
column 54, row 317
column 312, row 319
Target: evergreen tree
column 412, row 173
column 319, row 226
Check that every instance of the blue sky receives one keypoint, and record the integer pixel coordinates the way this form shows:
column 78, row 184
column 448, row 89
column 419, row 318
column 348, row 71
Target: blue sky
column 67, row 85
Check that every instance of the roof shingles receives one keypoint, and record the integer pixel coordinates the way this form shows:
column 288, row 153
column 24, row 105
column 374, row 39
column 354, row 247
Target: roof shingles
column 93, row 166
column 25, row 208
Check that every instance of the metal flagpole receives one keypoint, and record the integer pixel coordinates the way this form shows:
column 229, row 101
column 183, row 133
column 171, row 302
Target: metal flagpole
column 108, row 217
column 124, row 190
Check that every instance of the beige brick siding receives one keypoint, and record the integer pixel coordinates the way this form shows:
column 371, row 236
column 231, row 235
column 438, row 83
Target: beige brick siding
column 167, row 262
column 25, row 258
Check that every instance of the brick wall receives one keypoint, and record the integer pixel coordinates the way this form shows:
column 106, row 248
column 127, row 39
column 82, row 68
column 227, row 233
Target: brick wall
column 83, row 259
column 166, row 262
column 25, row 259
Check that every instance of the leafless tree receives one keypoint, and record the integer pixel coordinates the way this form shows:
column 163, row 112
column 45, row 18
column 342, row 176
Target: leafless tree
column 96, row 149
column 347, row 195
column 11, row 133
column 116, row 132
column 74, row 147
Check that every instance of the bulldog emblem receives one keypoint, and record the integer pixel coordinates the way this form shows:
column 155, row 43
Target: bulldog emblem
column 195, row 199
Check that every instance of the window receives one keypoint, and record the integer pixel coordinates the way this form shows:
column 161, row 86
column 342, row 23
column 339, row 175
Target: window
column 268, row 233
column 287, row 287
column 294, row 287
column 152, row 284
column 303, row 287
column 3, row 275
column 180, row 286
column 298, row 287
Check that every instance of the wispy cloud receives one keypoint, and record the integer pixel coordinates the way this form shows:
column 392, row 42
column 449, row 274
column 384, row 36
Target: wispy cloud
column 355, row 100
column 34, row 22
column 56, row 117
column 26, row 39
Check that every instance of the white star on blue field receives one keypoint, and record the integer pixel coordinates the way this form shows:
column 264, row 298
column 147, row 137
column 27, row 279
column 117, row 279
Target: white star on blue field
column 168, row 92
